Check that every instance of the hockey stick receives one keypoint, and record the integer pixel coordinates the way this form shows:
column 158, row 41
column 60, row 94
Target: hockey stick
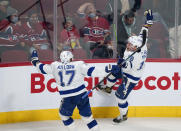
column 137, row 50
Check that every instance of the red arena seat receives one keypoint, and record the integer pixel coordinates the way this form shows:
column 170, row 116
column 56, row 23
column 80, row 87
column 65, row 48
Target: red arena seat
column 45, row 55
column 14, row 56
column 79, row 54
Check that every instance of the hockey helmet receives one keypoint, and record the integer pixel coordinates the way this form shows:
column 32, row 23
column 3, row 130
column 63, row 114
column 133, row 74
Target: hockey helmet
column 66, row 56
column 135, row 40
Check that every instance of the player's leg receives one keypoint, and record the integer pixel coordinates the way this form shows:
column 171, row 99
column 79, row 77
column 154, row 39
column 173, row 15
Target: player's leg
column 121, row 96
column 66, row 111
column 123, row 109
column 86, row 114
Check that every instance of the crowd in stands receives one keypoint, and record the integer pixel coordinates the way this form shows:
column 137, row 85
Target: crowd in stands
column 17, row 35
column 87, row 32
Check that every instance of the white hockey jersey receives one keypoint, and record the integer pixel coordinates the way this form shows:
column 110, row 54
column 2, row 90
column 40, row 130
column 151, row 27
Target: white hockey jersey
column 136, row 64
column 69, row 77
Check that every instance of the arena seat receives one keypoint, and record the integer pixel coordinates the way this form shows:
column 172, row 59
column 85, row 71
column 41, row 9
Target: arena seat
column 79, row 53
column 12, row 56
column 158, row 31
column 160, row 35
column 22, row 5
column 45, row 55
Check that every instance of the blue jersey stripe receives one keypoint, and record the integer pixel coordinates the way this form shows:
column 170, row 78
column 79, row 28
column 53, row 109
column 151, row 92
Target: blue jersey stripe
column 90, row 70
column 125, row 105
column 132, row 77
column 41, row 68
column 72, row 90
column 112, row 80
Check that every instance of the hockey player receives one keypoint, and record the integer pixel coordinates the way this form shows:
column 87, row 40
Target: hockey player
column 130, row 72
column 69, row 76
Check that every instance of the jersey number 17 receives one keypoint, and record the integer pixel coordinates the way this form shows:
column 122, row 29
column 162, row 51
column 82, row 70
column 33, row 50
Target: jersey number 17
column 68, row 72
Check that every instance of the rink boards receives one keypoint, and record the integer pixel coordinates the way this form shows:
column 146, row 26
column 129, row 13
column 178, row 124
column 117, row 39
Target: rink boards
column 27, row 95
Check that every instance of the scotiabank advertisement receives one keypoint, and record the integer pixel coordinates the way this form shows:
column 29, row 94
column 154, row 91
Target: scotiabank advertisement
column 23, row 88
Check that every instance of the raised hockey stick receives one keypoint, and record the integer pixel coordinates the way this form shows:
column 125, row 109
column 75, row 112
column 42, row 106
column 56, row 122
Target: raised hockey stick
column 137, row 50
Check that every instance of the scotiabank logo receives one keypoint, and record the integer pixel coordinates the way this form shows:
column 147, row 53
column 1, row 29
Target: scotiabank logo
column 38, row 84
column 163, row 82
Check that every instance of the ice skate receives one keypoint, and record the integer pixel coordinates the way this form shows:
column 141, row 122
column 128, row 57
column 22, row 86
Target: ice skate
column 120, row 118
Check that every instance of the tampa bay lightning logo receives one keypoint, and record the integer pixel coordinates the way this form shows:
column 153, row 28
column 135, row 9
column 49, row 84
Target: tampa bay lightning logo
column 131, row 58
column 96, row 31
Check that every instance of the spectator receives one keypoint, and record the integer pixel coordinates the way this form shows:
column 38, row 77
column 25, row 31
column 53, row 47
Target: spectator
column 5, row 12
column 122, row 7
column 69, row 36
column 35, row 33
column 11, row 37
column 95, row 32
column 125, row 23
column 3, row 9
column 15, row 30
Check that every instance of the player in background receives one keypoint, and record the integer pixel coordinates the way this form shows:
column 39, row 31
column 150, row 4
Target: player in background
column 69, row 76
column 130, row 72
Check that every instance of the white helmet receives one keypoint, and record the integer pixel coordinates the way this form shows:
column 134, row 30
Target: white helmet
column 66, row 56
column 135, row 40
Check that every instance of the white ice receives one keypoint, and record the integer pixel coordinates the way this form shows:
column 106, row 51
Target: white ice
column 132, row 124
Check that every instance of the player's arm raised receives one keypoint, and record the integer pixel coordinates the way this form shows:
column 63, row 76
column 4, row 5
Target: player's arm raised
column 148, row 22
column 42, row 68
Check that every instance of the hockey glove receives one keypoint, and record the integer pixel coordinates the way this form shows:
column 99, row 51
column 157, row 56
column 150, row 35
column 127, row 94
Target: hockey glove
column 115, row 70
column 108, row 68
column 34, row 58
column 149, row 18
